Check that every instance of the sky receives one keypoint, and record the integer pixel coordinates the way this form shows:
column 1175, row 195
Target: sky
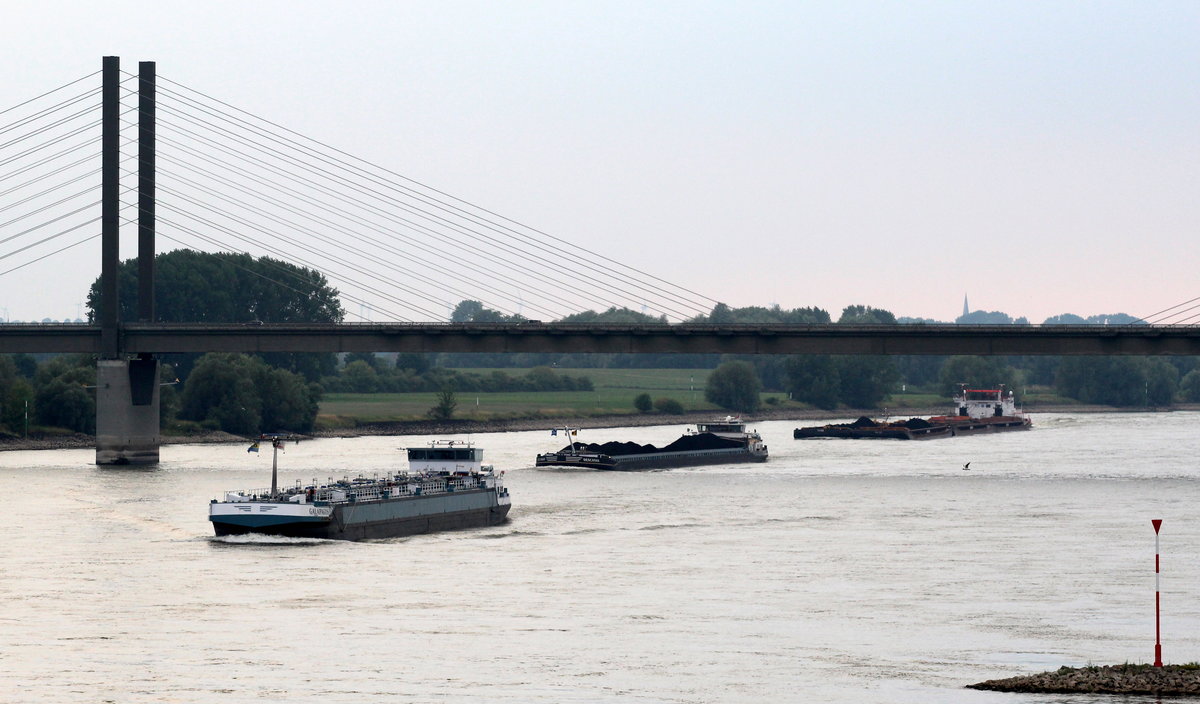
column 1038, row 157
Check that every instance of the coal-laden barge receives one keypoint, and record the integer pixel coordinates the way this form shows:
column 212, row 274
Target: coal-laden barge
column 975, row 411
column 719, row 442
column 446, row 487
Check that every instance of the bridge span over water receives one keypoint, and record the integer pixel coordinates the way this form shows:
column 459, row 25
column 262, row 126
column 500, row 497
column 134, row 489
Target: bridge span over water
column 165, row 338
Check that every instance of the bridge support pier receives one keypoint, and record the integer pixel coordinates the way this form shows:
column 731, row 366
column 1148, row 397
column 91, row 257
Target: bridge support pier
column 127, row 430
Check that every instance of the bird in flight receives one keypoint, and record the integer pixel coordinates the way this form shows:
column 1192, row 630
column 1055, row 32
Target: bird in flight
column 967, row 466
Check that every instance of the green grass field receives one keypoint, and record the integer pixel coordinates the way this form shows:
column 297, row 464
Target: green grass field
column 648, row 380
column 614, row 394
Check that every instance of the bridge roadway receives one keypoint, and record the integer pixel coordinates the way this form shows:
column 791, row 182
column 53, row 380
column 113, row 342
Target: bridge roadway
column 161, row 338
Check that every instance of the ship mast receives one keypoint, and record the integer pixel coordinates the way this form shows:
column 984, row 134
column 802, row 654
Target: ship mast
column 276, row 443
column 569, row 432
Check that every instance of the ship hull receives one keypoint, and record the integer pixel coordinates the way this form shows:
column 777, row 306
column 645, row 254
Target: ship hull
column 391, row 518
column 947, row 429
column 657, row 460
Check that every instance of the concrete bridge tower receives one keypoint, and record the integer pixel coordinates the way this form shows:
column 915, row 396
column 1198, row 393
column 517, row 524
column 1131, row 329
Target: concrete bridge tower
column 127, row 390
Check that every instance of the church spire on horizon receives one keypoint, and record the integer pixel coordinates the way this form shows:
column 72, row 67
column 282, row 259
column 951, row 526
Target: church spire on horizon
column 966, row 308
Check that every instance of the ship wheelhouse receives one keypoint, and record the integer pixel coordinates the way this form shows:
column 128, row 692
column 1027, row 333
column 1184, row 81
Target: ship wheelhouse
column 984, row 403
column 449, row 456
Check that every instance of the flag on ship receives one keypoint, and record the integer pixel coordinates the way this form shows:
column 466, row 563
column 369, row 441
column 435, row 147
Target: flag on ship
column 252, row 448
column 554, row 431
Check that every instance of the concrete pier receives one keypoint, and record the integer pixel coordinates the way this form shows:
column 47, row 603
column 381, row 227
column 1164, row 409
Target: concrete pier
column 127, row 430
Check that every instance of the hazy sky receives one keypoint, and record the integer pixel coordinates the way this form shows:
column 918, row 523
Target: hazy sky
column 1042, row 157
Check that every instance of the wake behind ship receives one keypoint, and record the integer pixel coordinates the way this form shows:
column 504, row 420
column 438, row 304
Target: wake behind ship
column 446, row 487
column 718, row 442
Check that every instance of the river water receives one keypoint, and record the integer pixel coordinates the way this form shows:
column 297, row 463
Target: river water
column 839, row 571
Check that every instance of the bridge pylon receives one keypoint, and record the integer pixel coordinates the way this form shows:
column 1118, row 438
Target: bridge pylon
column 127, row 389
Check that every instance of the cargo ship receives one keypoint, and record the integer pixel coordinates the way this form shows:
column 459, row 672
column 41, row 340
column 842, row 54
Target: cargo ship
column 975, row 411
column 446, row 487
column 718, row 442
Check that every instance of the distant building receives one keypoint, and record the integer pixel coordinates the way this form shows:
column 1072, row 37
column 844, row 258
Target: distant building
column 966, row 308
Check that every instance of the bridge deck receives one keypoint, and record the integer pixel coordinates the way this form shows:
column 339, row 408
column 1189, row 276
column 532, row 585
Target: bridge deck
column 162, row 338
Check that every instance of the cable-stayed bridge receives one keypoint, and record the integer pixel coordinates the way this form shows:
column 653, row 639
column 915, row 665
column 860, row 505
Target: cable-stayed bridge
column 207, row 175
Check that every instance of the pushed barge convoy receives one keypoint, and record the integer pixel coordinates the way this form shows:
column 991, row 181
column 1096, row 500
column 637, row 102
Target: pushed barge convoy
column 976, row 411
column 447, row 486
column 719, row 442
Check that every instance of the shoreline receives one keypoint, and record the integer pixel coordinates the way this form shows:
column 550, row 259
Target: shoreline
column 71, row 441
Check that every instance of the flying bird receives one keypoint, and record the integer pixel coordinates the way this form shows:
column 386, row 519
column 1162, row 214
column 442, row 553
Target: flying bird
column 967, row 466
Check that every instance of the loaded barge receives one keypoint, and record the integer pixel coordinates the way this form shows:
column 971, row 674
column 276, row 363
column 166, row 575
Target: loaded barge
column 719, row 442
column 975, row 411
column 446, row 487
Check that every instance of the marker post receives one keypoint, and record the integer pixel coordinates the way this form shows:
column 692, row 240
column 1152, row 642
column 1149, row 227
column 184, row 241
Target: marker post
column 1157, row 523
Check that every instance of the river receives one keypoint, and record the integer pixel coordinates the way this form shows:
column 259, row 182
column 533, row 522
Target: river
column 839, row 571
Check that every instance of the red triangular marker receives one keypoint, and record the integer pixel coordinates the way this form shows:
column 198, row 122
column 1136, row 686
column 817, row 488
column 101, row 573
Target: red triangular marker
column 1157, row 523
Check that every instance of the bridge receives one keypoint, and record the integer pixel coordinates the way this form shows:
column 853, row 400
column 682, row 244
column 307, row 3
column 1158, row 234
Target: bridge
column 380, row 213
column 164, row 338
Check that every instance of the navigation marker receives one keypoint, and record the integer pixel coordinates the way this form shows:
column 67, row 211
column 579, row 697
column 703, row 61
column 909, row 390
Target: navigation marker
column 1157, row 523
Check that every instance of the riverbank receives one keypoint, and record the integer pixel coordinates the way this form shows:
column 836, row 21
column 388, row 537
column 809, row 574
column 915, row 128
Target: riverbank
column 64, row 441
column 460, row 426
column 1169, row 680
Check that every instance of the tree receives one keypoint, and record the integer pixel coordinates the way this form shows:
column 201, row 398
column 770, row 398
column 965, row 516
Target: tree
column 1189, row 387
column 62, row 398
column 475, row 312
column 18, row 400
column 814, row 379
column 445, row 406
column 865, row 380
column 63, row 404
column 220, row 390
column 866, row 315
column 613, row 315
column 415, row 362
column 289, row 402
column 668, row 406
column 224, row 287
column 976, row 372
column 241, row 394
column 1117, row 381
column 643, row 403
column 735, row 386
column 1162, row 382
column 360, row 377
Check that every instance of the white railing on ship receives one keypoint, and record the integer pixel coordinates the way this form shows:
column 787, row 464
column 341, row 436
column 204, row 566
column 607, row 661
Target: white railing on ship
column 371, row 491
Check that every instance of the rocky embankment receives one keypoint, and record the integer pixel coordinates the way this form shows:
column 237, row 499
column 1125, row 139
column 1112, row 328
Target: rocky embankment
column 1170, row 680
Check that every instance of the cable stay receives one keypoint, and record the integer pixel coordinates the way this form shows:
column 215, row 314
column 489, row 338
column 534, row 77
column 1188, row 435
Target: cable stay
column 433, row 190
column 537, row 254
column 476, row 237
column 328, row 240
column 439, row 255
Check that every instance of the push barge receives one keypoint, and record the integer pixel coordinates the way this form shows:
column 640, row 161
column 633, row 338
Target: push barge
column 446, row 487
column 975, row 411
column 718, row 442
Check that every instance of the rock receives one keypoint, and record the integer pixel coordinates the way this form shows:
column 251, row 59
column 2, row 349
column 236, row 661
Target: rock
column 1172, row 680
